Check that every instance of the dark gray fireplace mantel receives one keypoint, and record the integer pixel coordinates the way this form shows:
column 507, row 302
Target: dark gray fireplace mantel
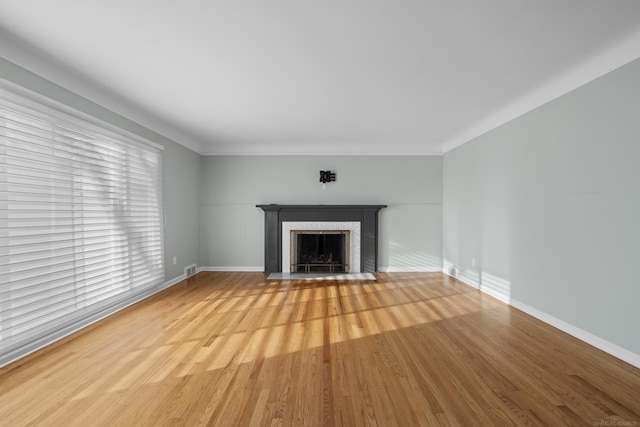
column 274, row 215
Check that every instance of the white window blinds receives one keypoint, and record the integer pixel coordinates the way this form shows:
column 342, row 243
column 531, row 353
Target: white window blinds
column 80, row 222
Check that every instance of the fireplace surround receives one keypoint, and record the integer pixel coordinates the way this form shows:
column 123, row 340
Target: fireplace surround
column 352, row 228
column 277, row 216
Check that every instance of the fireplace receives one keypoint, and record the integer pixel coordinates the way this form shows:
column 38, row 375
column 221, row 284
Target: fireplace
column 361, row 222
column 319, row 251
column 349, row 253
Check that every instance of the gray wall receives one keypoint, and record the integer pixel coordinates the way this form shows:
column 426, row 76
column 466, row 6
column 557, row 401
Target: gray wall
column 549, row 205
column 232, row 228
column 181, row 169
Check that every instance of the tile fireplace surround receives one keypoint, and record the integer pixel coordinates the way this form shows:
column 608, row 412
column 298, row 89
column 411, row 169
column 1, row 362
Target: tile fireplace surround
column 275, row 215
column 353, row 227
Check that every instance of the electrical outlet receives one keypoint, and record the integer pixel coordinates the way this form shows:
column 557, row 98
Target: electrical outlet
column 175, row 260
column 473, row 262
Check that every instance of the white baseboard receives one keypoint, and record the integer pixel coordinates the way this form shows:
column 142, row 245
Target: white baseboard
column 409, row 269
column 380, row 269
column 233, row 268
column 172, row 282
column 80, row 324
column 589, row 338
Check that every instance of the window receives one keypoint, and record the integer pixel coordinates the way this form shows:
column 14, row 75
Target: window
column 81, row 227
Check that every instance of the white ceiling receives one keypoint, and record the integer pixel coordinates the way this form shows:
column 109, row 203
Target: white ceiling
column 320, row 76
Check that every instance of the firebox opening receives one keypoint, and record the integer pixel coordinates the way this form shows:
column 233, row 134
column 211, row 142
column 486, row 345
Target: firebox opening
column 320, row 251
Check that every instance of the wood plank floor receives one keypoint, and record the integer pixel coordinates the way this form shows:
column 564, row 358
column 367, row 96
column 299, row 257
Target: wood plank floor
column 233, row 349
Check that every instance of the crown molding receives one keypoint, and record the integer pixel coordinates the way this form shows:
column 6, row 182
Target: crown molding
column 621, row 53
column 321, row 148
column 32, row 67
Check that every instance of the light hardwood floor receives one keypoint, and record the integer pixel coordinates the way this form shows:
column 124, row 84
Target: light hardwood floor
column 233, row 349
